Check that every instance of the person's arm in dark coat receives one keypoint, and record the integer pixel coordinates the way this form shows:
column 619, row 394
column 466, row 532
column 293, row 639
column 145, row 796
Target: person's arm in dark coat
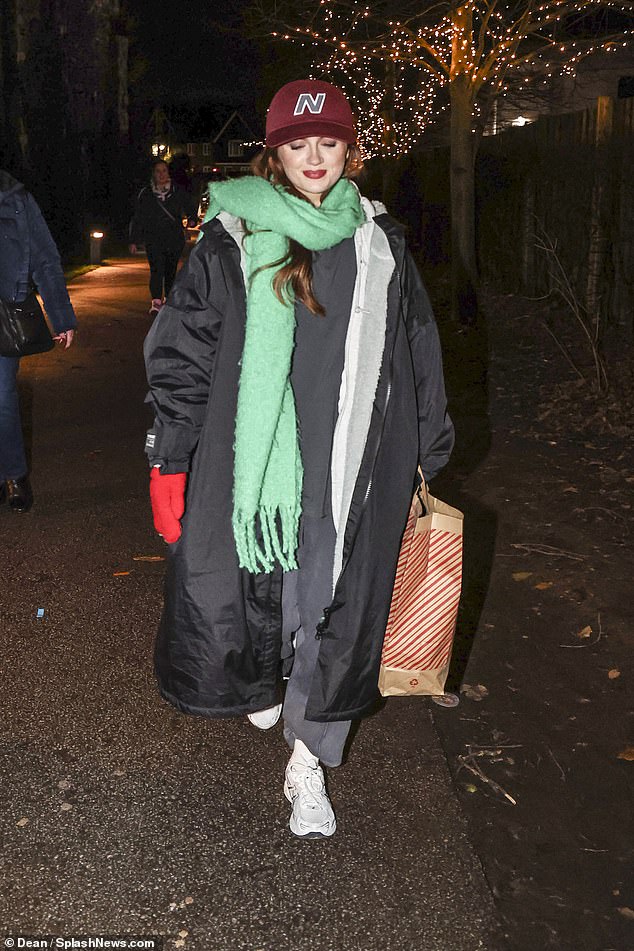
column 189, row 206
column 179, row 355
column 136, row 233
column 46, row 270
column 435, row 429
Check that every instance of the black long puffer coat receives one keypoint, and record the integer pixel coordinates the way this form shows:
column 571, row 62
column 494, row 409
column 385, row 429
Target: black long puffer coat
column 218, row 645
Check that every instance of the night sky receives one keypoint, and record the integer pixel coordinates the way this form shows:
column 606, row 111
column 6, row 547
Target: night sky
column 186, row 54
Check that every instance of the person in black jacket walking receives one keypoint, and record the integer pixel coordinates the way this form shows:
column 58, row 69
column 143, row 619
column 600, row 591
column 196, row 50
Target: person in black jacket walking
column 157, row 223
column 28, row 255
column 296, row 380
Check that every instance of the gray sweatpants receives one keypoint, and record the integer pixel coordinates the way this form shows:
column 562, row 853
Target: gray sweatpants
column 305, row 594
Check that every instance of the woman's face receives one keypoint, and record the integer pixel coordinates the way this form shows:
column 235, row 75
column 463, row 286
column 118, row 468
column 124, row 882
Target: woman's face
column 161, row 174
column 313, row 165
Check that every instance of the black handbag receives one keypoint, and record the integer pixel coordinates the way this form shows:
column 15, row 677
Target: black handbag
column 23, row 328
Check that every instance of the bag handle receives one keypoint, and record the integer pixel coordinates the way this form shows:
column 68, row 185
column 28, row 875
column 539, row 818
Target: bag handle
column 422, row 491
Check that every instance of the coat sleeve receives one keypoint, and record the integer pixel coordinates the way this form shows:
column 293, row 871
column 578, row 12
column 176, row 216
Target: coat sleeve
column 435, row 428
column 179, row 355
column 136, row 231
column 46, row 269
column 189, row 205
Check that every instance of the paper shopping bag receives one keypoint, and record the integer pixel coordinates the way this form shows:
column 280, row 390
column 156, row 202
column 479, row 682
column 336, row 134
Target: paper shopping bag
column 422, row 619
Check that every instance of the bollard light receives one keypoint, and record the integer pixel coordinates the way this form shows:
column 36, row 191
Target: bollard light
column 96, row 237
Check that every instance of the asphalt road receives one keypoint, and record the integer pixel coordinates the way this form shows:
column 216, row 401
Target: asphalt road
column 120, row 815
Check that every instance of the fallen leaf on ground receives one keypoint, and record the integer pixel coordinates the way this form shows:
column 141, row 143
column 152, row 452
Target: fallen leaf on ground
column 148, row 558
column 119, row 574
column 63, row 784
column 626, row 912
column 476, row 692
column 585, row 631
column 66, row 806
column 614, row 673
column 543, row 585
column 627, row 753
column 521, row 575
column 189, row 901
column 22, row 822
column 571, row 488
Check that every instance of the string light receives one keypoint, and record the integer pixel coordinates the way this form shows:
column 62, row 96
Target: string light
column 398, row 75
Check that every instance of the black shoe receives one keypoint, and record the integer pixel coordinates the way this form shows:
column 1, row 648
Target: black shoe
column 20, row 494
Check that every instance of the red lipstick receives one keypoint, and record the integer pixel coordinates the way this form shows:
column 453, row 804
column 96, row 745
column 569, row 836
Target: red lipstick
column 315, row 173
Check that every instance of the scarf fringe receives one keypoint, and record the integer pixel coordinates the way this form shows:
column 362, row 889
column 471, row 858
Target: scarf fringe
column 256, row 558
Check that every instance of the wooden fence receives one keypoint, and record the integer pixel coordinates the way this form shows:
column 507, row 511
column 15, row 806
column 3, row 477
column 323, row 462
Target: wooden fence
column 566, row 180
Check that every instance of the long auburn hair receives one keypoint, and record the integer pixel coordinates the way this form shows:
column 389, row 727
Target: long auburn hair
column 296, row 271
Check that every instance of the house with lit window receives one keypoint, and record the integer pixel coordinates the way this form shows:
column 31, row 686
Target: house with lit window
column 225, row 147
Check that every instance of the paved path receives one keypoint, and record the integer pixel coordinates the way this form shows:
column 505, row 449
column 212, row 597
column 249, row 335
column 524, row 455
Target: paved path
column 144, row 821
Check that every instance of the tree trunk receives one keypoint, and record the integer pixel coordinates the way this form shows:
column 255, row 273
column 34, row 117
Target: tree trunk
column 464, row 275
column 528, row 278
column 600, row 217
column 389, row 160
column 622, row 298
column 390, row 180
column 464, row 272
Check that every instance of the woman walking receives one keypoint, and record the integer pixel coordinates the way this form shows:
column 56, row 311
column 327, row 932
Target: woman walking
column 297, row 383
column 158, row 224
column 29, row 257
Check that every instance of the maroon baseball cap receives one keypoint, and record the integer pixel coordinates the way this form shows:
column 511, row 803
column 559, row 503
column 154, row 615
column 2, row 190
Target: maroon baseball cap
column 309, row 107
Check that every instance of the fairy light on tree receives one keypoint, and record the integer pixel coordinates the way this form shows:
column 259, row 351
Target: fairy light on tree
column 394, row 104
column 404, row 63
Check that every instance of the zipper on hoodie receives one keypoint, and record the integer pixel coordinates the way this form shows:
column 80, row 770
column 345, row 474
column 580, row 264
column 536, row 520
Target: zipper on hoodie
column 321, row 628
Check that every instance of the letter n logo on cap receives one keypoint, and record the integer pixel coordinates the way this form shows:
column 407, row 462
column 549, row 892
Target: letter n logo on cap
column 314, row 104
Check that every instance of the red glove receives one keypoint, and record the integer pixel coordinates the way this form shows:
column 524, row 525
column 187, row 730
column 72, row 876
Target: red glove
column 167, row 494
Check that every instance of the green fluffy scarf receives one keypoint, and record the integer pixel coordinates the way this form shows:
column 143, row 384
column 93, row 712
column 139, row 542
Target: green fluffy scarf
column 267, row 475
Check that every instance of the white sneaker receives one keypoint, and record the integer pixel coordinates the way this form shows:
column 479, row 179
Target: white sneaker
column 265, row 719
column 312, row 816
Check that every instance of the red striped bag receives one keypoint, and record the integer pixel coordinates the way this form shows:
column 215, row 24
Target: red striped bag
column 422, row 620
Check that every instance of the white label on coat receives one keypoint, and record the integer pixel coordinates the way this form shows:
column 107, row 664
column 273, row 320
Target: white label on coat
column 314, row 104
